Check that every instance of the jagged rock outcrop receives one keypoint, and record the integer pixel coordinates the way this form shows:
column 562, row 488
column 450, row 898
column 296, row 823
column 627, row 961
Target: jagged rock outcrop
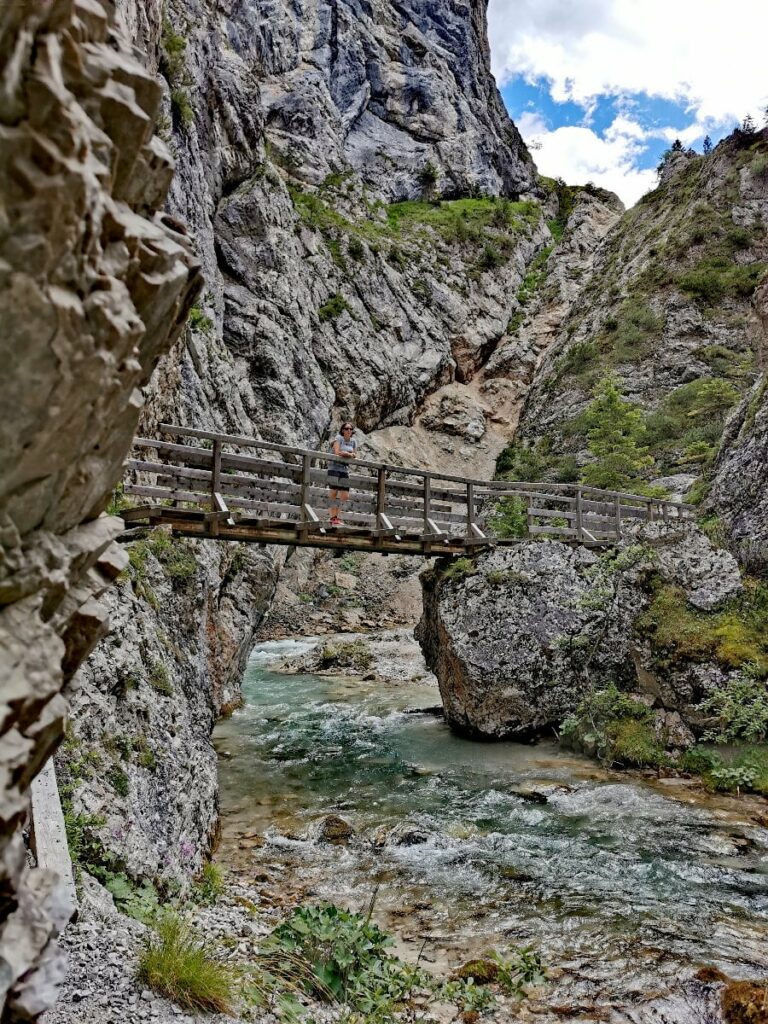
column 518, row 640
column 95, row 284
column 739, row 494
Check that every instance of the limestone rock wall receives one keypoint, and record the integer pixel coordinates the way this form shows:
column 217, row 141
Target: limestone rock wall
column 739, row 494
column 669, row 310
column 95, row 285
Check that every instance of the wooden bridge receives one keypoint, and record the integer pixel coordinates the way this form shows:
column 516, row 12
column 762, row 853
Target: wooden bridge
column 234, row 488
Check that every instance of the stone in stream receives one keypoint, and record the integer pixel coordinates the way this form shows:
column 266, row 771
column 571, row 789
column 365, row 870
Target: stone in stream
column 335, row 830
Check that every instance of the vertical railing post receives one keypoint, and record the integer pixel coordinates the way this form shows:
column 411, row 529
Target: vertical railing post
column 427, row 501
column 617, row 506
column 470, row 508
column 215, row 486
column 579, row 535
column 306, row 480
column 651, row 512
column 381, row 492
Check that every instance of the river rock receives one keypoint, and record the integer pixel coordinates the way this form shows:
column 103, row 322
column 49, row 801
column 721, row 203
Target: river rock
column 334, row 830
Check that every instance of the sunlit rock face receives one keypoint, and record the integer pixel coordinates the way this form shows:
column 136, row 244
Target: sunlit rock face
column 95, row 284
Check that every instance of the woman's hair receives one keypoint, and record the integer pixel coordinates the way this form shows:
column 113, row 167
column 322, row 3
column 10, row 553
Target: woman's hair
column 347, row 426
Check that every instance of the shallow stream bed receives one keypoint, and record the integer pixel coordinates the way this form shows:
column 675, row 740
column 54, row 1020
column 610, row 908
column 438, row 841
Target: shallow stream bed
column 626, row 886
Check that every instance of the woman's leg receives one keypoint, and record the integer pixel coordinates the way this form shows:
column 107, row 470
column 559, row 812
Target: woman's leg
column 343, row 496
column 334, row 509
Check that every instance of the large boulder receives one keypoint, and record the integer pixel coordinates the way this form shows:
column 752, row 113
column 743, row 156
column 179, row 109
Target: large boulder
column 520, row 635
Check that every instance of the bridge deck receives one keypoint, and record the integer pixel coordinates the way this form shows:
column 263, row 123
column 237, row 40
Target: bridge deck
column 235, row 488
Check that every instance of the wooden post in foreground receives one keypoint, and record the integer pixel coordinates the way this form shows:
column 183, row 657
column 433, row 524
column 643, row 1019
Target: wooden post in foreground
column 579, row 535
column 49, row 834
column 213, row 525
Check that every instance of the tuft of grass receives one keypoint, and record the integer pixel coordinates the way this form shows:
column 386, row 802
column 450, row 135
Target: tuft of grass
column 459, row 569
column 333, row 308
column 118, row 780
column 160, row 680
column 177, row 964
column 716, row 277
column 211, row 884
column 509, row 518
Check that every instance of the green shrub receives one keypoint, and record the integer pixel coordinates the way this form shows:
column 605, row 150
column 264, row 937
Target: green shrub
column 580, row 359
column 356, row 249
column 740, row 710
column 429, row 175
column 333, row 308
column 198, row 321
column 349, row 960
column 118, row 502
column 509, row 518
column 616, row 728
column 210, row 885
column 139, row 902
column 718, row 276
column 177, row 964
column 118, row 780
column 490, row 258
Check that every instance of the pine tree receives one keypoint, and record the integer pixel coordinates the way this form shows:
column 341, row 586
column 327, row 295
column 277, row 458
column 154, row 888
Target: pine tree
column 707, row 145
column 748, row 125
column 615, row 428
column 677, row 146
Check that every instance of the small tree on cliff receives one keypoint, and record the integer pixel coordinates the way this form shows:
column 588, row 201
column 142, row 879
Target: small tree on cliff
column 707, row 146
column 615, row 429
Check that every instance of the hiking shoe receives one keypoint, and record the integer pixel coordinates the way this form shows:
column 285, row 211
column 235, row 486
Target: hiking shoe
column 335, row 521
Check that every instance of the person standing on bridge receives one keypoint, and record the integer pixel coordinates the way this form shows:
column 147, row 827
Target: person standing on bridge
column 345, row 446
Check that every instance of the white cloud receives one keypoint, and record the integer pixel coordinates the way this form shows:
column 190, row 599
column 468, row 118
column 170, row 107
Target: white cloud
column 579, row 155
column 708, row 55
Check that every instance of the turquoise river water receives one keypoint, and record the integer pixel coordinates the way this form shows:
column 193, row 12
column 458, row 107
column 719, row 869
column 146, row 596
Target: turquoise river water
column 624, row 884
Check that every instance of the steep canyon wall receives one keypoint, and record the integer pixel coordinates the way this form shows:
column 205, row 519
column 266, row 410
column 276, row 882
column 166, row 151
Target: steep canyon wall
column 95, row 285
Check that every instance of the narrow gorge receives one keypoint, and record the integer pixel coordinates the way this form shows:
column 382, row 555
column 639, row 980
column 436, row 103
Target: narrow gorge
column 263, row 219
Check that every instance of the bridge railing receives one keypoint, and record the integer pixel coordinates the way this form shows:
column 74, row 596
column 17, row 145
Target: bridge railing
column 583, row 513
column 262, row 481
column 234, row 486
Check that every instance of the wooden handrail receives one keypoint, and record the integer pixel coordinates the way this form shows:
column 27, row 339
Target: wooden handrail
column 494, row 486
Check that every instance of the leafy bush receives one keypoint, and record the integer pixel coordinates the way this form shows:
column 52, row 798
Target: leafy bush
column 615, row 728
column 139, row 902
column 740, row 710
column 509, row 518
column 522, row 967
column 333, row 308
column 429, row 175
column 348, row 956
column 177, row 964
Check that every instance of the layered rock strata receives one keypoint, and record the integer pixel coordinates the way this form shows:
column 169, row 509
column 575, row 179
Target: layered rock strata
column 95, row 285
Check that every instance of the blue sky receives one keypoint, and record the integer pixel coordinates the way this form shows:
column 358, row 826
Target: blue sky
column 601, row 88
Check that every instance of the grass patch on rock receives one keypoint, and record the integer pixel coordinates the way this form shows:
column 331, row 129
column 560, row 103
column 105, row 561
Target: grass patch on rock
column 353, row 654
column 734, row 637
column 611, row 726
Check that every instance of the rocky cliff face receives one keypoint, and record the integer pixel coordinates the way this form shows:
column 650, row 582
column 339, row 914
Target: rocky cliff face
column 294, row 128
column 95, row 284
column 674, row 310
column 738, row 493
column 517, row 640
column 670, row 311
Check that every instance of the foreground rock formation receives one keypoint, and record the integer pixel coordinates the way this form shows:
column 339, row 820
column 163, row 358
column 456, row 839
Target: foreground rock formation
column 95, row 285
column 517, row 639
